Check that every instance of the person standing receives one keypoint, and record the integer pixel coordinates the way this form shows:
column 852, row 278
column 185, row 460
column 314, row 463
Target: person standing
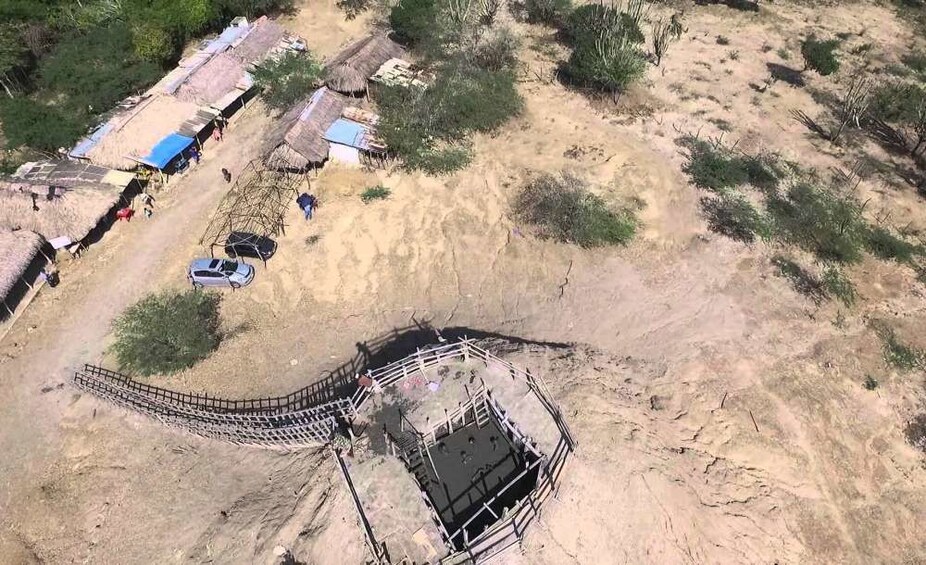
column 226, row 175
column 308, row 203
column 195, row 155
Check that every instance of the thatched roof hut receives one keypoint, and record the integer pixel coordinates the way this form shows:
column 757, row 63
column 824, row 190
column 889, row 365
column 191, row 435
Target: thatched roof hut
column 221, row 75
column 349, row 70
column 134, row 132
column 264, row 37
column 17, row 251
column 69, row 212
column 299, row 137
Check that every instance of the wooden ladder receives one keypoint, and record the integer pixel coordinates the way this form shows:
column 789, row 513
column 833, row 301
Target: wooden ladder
column 481, row 411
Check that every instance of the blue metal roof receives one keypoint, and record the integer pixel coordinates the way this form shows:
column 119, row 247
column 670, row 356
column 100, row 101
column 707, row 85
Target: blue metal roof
column 166, row 150
column 347, row 132
column 226, row 38
column 86, row 144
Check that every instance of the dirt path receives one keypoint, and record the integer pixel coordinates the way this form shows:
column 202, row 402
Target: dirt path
column 76, row 316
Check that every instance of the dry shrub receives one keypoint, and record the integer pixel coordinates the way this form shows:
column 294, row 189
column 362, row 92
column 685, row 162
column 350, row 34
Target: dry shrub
column 562, row 208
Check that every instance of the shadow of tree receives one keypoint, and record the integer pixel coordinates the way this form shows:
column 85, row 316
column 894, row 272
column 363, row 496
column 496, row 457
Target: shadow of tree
column 801, row 280
column 742, row 5
column 786, row 74
column 810, row 123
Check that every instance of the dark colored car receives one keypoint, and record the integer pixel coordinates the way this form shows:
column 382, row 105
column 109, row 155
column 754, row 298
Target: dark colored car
column 244, row 244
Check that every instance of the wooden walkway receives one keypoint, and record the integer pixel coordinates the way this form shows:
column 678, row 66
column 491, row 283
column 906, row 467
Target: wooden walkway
column 312, row 416
column 268, row 422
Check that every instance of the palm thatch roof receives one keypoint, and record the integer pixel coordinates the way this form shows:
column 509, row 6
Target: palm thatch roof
column 136, row 131
column 222, row 74
column 299, row 136
column 265, row 36
column 349, row 70
column 17, row 251
column 55, row 212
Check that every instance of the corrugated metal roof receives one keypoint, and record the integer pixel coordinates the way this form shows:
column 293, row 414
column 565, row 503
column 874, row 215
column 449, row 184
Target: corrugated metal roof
column 85, row 145
column 347, row 132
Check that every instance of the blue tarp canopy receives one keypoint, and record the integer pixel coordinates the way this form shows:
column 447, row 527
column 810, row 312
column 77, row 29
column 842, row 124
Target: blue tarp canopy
column 348, row 132
column 166, row 149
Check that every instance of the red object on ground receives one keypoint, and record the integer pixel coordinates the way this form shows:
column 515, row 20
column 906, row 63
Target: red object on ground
column 125, row 214
column 365, row 381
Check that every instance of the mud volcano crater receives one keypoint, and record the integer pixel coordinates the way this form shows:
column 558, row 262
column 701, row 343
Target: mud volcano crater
column 459, row 452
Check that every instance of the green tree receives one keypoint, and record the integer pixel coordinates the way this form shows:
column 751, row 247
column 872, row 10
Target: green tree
column 610, row 64
column 252, row 8
column 589, row 21
column 26, row 10
column 182, row 18
column 86, row 15
column 96, row 70
column 12, row 56
column 33, row 124
column 731, row 214
column 287, row 80
column 823, row 221
column 819, row 55
column 428, row 128
column 561, row 207
column 413, row 21
column 167, row 332
column 552, row 12
column 152, row 43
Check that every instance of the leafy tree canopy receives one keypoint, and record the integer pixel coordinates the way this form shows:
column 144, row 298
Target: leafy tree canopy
column 587, row 22
column 561, row 207
column 820, row 56
column 287, row 80
column 31, row 123
column 252, row 8
column 429, row 127
column 413, row 21
column 97, row 69
column 13, row 51
column 167, row 332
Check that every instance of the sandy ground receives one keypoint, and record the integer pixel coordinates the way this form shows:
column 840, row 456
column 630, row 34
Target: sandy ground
column 720, row 415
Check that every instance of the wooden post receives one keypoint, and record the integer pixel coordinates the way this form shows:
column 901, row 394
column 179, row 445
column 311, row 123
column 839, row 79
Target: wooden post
column 418, row 445
column 465, row 346
column 431, row 461
column 420, row 362
column 449, row 423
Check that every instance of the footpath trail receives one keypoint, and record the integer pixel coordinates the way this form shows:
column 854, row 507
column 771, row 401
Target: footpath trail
column 67, row 326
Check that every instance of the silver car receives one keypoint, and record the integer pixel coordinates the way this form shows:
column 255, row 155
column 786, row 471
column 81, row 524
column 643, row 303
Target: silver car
column 220, row 272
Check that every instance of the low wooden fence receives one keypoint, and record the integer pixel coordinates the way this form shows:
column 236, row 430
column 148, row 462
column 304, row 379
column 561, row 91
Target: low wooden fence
column 211, row 417
column 296, row 421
